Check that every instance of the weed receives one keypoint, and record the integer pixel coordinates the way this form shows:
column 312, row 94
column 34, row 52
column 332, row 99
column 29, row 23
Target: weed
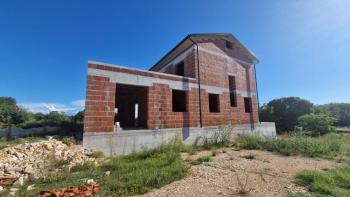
column 57, row 163
column 298, row 194
column 97, row 154
column 133, row 174
column 249, row 156
column 325, row 146
column 192, row 150
column 205, row 159
column 243, row 186
column 218, row 138
column 195, row 162
column 69, row 141
column 334, row 182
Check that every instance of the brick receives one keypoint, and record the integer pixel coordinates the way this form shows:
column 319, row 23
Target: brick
column 157, row 99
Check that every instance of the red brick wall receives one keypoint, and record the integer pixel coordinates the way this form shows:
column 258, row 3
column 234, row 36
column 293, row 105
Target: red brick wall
column 214, row 71
column 190, row 66
column 99, row 104
column 160, row 114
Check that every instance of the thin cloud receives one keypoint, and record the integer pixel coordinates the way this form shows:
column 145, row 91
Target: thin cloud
column 45, row 108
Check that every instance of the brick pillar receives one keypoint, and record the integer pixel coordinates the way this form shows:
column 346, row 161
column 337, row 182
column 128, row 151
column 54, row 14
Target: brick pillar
column 159, row 106
column 99, row 105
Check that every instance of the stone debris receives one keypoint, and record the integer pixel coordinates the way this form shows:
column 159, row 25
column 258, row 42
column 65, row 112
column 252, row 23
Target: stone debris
column 33, row 160
column 13, row 191
column 85, row 190
column 107, row 173
column 30, row 187
column 90, row 181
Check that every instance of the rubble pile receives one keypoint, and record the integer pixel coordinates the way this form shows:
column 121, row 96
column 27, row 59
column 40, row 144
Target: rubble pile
column 32, row 160
column 87, row 190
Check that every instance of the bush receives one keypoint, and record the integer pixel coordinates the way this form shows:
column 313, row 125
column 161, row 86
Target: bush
column 292, row 145
column 69, row 141
column 331, row 183
column 285, row 112
column 317, row 124
column 205, row 159
column 97, row 154
column 219, row 138
column 341, row 111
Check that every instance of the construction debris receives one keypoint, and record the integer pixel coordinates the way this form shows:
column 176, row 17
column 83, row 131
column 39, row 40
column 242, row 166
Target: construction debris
column 87, row 190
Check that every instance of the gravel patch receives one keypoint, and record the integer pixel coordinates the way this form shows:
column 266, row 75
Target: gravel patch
column 231, row 173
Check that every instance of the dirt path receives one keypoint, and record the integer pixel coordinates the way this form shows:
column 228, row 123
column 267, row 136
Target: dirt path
column 267, row 174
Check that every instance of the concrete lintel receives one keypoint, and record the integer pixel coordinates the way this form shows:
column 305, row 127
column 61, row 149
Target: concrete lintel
column 133, row 79
column 140, row 70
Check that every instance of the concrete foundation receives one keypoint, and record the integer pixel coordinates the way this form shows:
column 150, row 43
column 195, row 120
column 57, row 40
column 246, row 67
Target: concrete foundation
column 128, row 141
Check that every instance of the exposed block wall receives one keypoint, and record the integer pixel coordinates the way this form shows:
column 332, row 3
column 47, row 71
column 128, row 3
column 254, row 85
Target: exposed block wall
column 110, row 87
column 99, row 104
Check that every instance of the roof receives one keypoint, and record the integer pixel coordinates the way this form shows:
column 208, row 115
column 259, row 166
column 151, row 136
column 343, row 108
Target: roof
column 187, row 42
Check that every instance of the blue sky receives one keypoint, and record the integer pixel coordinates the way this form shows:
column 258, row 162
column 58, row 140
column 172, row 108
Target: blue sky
column 303, row 46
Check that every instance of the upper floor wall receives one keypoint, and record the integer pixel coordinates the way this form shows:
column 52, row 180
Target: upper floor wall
column 218, row 59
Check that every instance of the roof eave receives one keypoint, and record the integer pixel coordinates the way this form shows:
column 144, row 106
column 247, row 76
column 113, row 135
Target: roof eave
column 255, row 60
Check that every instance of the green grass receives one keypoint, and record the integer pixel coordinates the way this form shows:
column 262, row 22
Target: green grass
column 133, row 174
column 298, row 194
column 328, row 146
column 326, row 183
column 207, row 158
column 203, row 159
column 5, row 143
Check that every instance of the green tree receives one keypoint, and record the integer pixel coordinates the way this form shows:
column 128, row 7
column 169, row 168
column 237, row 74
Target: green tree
column 57, row 117
column 9, row 114
column 317, row 124
column 285, row 112
column 79, row 117
column 340, row 111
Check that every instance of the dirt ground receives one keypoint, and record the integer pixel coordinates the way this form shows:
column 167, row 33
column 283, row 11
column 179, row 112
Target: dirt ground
column 233, row 171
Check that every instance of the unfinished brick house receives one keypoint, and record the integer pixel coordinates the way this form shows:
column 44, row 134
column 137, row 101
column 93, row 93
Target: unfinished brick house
column 205, row 81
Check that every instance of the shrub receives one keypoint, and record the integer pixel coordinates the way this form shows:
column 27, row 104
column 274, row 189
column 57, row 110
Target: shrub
column 317, row 124
column 285, row 112
column 292, row 145
column 341, row 111
column 69, row 141
column 207, row 158
column 331, row 183
column 219, row 138
column 97, row 154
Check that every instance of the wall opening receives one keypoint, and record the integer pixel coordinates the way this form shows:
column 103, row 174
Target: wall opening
column 131, row 104
column 248, row 104
column 232, row 89
column 180, row 68
column 228, row 44
column 179, row 101
column 214, row 103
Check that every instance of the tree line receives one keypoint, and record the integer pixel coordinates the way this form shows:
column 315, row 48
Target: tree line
column 12, row 115
column 293, row 114
column 289, row 113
